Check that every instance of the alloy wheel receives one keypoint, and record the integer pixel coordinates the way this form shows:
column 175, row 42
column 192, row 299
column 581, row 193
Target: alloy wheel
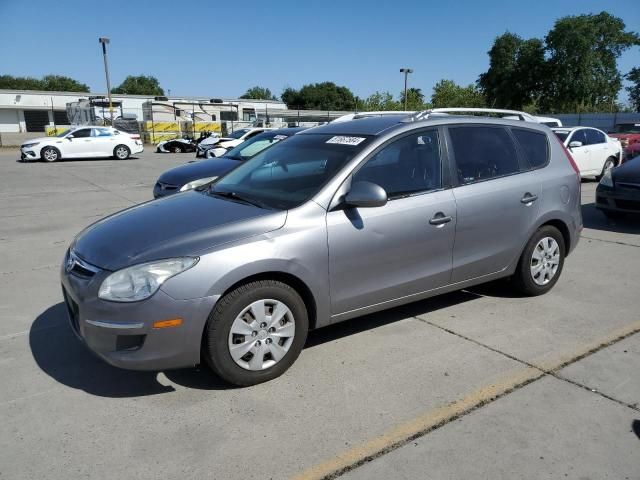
column 261, row 334
column 50, row 155
column 545, row 260
column 121, row 153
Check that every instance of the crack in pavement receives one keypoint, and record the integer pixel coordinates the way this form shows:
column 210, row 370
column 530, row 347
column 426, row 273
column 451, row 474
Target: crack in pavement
column 554, row 371
column 610, row 241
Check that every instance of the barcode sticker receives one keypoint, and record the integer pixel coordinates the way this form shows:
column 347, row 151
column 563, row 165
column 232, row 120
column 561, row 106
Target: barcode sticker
column 353, row 141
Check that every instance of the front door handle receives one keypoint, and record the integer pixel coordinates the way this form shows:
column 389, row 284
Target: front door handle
column 439, row 219
column 528, row 198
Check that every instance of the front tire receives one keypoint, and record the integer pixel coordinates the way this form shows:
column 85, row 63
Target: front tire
column 176, row 149
column 50, row 154
column 121, row 152
column 608, row 165
column 541, row 262
column 256, row 332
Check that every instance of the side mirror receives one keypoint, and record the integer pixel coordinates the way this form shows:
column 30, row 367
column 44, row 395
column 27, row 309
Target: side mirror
column 575, row 144
column 366, row 195
column 69, row 137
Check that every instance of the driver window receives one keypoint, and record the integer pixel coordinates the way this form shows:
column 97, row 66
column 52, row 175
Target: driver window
column 82, row 133
column 408, row 165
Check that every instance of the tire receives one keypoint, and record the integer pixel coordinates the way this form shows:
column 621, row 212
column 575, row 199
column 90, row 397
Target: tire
column 608, row 164
column 121, row 152
column 524, row 279
column 176, row 149
column 234, row 313
column 50, row 154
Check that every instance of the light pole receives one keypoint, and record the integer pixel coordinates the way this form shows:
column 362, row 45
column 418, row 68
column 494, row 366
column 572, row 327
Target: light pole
column 406, row 72
column 104, row 41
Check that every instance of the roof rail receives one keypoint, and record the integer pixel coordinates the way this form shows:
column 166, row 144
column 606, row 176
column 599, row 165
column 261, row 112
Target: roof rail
column 355, row 116
column 423, row 115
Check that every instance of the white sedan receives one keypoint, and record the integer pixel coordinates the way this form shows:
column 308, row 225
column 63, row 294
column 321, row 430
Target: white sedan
column 593, row 150
column 233, row 140
column 83, row 142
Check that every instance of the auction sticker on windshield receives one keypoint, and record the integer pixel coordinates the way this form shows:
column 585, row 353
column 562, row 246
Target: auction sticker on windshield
column 347, row 140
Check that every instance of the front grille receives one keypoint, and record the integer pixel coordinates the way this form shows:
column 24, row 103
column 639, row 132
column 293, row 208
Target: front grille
column 628, row 204
column 72, row 309
column 76, row 266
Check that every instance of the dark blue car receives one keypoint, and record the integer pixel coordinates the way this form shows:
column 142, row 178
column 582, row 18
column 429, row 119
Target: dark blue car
column 192, row 175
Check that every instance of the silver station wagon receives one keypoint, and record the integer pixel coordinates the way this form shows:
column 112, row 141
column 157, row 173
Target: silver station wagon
column 333, row 223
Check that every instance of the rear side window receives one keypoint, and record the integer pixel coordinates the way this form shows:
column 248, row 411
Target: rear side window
column 534, row 146
column 482, row 153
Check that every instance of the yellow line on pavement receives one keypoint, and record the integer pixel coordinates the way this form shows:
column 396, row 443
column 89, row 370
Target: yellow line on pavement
column 432, row 419
column 418, row 426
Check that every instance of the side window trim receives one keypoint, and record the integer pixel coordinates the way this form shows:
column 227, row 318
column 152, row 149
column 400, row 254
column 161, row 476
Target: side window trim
column 444, row 175
column 452, row 156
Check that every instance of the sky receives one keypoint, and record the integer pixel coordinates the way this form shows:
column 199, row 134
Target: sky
column 219, row 49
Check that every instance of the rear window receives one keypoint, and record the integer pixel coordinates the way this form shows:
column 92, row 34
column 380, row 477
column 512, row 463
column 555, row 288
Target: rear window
column 534, row 146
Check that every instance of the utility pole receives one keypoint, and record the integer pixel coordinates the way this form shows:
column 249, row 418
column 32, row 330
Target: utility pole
column 104, row 41
column 406, row 72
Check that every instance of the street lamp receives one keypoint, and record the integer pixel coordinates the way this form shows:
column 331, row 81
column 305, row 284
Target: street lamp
column 104, row 41
column 406, row 72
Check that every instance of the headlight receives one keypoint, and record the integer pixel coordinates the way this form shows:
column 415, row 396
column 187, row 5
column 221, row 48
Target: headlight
column 141, row 281
column 607, row 179
column 29, row 145
column 196, row 183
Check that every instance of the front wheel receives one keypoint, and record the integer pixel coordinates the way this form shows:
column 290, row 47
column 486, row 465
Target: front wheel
column 50, row 154
column 176, row 149
column 608, row 165
column 121, row 152
column 256, row 332
column 541, row 262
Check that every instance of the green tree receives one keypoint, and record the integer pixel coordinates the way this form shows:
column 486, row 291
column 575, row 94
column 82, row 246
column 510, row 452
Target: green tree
column 378, row 101
column 139, row 85
column 446, row 93
column 319, row 96
column 582, row 72
column 634, row 89
column 415, row 99
column 48, row 83
column 259, row 93
column 516, row 72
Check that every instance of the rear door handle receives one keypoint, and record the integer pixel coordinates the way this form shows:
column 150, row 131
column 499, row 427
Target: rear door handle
column 528, row 198
column 439, row 219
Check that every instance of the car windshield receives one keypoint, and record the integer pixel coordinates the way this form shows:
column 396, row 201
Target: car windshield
column 561, row 135
column 62, row 134
column 291, row 172
column 627, row 128
column 238, row 133
column 253, row 146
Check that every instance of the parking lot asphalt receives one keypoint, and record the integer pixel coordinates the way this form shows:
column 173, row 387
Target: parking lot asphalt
column 473, row 384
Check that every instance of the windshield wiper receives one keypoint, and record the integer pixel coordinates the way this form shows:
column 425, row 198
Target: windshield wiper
column 238, row 197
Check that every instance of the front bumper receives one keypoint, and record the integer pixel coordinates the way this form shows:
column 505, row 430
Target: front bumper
column 28, row 154
column 618, row 199
column 122, row 334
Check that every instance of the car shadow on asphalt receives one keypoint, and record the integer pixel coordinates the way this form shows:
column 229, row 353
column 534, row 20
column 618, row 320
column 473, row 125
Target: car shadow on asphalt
column 59, row 353
column 76, row 160
column 594, row 219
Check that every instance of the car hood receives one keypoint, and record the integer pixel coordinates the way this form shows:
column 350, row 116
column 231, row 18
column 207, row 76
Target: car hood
column 40, row 140
column 627, row 172
column 186, row 224
column 196, row 170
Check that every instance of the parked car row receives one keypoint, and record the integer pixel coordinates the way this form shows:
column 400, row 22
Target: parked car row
column 244, row 266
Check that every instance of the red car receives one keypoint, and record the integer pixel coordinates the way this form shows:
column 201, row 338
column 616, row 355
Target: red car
column 629, row 136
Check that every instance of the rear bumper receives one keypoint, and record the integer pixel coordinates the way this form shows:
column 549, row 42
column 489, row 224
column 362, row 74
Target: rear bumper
column 122, row 334
column 618, row 200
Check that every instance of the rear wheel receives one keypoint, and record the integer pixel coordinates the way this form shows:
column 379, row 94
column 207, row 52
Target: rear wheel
column 256, row 332
column 121, row 152
column 50, row 154
column 608, row 165
column 541, row 262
